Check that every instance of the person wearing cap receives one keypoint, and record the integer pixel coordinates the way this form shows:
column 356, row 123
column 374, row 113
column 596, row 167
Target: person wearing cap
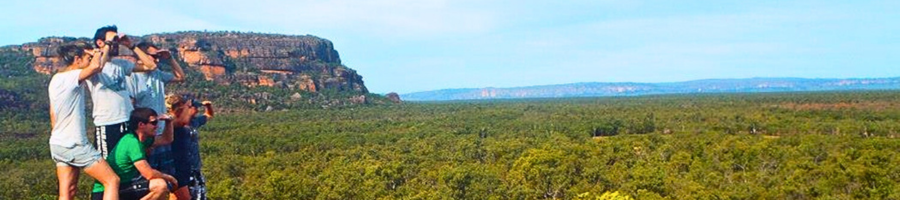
column 197, row 186
column 183, row 110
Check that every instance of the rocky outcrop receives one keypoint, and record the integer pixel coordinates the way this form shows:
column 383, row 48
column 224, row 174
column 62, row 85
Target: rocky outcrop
column 394, row 97
column 44, row 52
column 303, row 63
column 358, row 99
column 264, row 71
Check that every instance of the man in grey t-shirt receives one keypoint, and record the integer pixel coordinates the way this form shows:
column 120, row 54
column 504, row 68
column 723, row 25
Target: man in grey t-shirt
column 69, row 146
column 112, row 101
column 149, row 91
column 148, row 88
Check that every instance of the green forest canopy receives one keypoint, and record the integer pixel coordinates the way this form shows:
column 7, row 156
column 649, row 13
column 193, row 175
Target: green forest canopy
column 735, row 146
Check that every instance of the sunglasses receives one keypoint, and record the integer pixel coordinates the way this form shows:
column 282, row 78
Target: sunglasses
column 153, row 122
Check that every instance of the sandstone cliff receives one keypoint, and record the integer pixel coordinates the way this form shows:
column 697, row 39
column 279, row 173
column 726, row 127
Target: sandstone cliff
column 303, row 63
column 240, row 71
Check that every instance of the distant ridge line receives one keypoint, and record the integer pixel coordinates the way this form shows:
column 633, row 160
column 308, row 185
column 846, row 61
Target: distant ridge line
column 602, row 89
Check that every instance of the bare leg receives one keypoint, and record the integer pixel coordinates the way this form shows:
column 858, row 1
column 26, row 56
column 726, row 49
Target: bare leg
column 68, row 181
column 103, row 173
column 183, row 193
column 158, row 190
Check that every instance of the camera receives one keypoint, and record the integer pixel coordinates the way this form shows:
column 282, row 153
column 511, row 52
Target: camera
column 196, row 104
column 162, row 54
column 113, row 46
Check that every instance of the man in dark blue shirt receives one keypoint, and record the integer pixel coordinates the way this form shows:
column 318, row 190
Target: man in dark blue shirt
column 185, row 146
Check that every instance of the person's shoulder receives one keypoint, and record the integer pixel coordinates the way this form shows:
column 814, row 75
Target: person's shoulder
column 68, row 72
column 129, row 138
column 141, row 73
column 65, row 76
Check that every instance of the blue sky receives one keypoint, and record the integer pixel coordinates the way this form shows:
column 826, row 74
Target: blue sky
column 417, row 45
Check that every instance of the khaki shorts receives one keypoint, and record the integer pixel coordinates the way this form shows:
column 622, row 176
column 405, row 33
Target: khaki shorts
column 80, row 155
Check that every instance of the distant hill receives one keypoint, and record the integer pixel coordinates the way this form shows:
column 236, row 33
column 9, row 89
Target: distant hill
column 599, row 89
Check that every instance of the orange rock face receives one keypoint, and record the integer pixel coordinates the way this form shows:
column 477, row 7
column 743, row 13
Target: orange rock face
column 282, row 72
column 237, row 53
column 307, row 84
column 212, row 71
column 233, row 53
column 37, row 51
column 47, row 65
column 266, row 81
column 191, row 57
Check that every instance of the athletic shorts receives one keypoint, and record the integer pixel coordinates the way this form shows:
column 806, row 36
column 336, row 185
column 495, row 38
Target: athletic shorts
column 108, row 136
column 197, row 187
column 80, row 155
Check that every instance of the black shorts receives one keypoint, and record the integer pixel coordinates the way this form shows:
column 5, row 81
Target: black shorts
column 181, row 155
column 137, row 189
column 107, row 137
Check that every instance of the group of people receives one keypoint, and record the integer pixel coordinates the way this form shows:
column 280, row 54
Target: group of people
column 146, row 144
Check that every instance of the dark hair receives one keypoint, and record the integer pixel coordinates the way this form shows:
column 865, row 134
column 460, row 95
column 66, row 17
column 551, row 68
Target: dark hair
column 140, row 115
column 101, row 33
column 68, row 52
column 145, row 45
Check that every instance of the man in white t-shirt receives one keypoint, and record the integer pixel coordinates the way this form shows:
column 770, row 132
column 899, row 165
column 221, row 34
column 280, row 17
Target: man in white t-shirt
column 69, row 146
column 112, row 100
column 148, row 89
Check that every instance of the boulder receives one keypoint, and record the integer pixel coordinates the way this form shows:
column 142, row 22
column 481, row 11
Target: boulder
column 394, row 97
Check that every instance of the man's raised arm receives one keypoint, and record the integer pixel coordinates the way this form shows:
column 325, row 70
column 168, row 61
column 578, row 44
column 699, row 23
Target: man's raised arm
column 176, row 68
column 168, row 134
column 148, row 63
column 97, row 61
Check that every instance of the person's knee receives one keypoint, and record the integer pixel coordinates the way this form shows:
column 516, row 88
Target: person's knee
column 110, row 180
column 158, row 185
column 72, row 189
column 183, row 193
column 103, row 173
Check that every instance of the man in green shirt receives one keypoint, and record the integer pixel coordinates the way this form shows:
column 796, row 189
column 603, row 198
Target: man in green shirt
column 129, row 160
